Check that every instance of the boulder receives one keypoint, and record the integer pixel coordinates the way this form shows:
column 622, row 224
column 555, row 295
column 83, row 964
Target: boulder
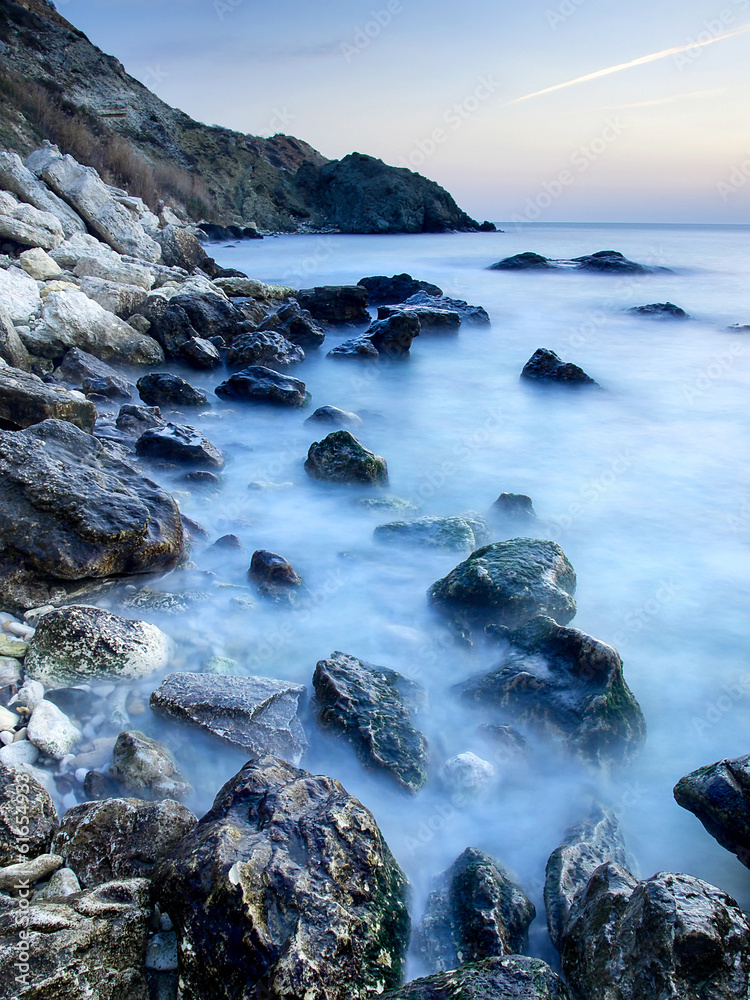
column 472, row 315
column 120, row 838
column 26, row 400
column 263, row 348
column 659, row 310
column 179, row 443
column 83, row 189
column 106, row 265
column 296, row 324
column 263, row 385
column 394, row 336
column 286, row 888
column 334, row 417
column 719, row 795
column 357, row 347
column 28, row 817
column 545, row 366
column 509, row 583
column 77, row 246
column 87, row 373
column 19, row 294
column 77, row 321
column 90, row 944
column 585, row 847
column 51, row 731
column 514, row 506
column 522, row 262
column 134, row 420
column 181, row 248
column 242, row 287
column 431, row 320
column 187, row 315
column 39, row 265
column 513, row 977
column 144, row 768
column 612, row 262
column 673, row 937
column 255, row 713
column 389, row 291
column 114, row 296
column 371, row 707
column 26, row 225
column 78, row 643
column 12, row 349
column 16, row 177
column 200, row 353
column 335, row 304
column 272, row 573
column 164, row 389
column 476, row 911
column 341, row 458
column 569, row 684
column 430, row 532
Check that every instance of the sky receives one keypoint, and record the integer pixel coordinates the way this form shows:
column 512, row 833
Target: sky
column 467, row 93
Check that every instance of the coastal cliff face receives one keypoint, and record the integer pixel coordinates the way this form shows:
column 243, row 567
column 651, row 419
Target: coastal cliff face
column 55, row 84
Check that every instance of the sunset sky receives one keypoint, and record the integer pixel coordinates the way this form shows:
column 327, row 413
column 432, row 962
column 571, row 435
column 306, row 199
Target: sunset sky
column 435, row 85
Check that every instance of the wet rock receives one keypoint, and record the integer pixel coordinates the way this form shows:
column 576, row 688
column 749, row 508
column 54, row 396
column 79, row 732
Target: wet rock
column 256, row 713
column 12, row 348
column 28, row 817
column 472, row 315
column 165, row 389
column 51, row 731
column 335, row 304
column 391, row 504
column 263, row 385
column 26, row 400
column 96, row 515
column 328, row 913
column 466, row 773
column 476, row 911
column 88, row 945
column 272, row 573
column 39, row 264
column 83, row 371
column 431, row 320
column 134, row 420
column 145, row 768
column 357, row 347
column 513, row 977
column 431, row 532
column 522, row 262
column 341, row 458
column 296, row 324
column 77, row 643
column 201, row 353
column 570, row 684
column 26, row 225
column 516, row 506
column 394, row 336
column 672, row 936
column 263, row 348
column 187, row 315
column 585, row 847
column 545, row 366
column 371, row 706
column 120, row 838
column 659, row 310
column 509, row 583
column 16, row 878
column 719, row 795
column 389, row 291
column 334, row 417
column 179, row 443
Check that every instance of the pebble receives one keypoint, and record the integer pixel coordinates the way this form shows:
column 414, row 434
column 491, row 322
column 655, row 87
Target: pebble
column 10, row 671
column 467, row 772
column 165, row 922
column 52, row 731
column 21, row 734
column 35, row 613
column 18, row 877
column 25, row 632
column 6, row 737
column 18, row 753
column 8, row 720
column 161, row 952
column 29, row 695
column 63, row 883
column 12, row 647
column 80, row 775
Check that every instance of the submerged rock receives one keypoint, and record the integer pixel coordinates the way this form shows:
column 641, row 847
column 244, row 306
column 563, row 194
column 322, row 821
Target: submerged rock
column 191, row 315
column 335, row 304
column 516, row 506
column 473, row 315
column 394, row 336
column 545, row 366
column 477, row 911
column 509, row 583
column 390, row 291
column 145, row 768
column 431, row 532
column 265, row 386
column 467, row 774
column 341, row 458
column 165, row 389
column 571, row 685
column 255, row 713
column 179, row 443
column 26, row 400
column 673, row 937
column 528, row 261
column 357, row 347
column 24, row 832
column 286, row 888
column 272, row 573
column 513, row 977
column 605, row 261
column 719, row 795
column 371, row 706
column 335, row 417
column 75, row 644
column 659, row 310
column 296, row 325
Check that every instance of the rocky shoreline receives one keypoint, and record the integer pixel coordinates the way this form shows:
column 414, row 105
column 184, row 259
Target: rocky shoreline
column 110, row 886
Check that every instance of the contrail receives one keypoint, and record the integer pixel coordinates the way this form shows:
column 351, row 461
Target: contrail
column 633, row 62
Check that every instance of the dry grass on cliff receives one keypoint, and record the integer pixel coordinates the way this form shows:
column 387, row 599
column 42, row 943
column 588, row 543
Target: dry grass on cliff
column 92, row 143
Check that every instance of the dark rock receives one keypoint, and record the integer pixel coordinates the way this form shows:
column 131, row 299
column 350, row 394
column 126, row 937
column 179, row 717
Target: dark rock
column 190, row 315
column 199, row 477
column 334, row 417
column 180, row 248
column 97, row 786
column 513, row 977
column 522, row 262
column 164, row 389
column 393, row 336
column 570, row 684
column 431, row 532
column 228, row 543
column 335, row 304
column 26, row 400
column 340, row 458
column 120, row 838
column 255, row 713
column 476, row 911
column 133, row 420
column 286, row 889
column 89, row 374
column 201, row 353
column 431, row 320
column 371, row 707
column 511, row 582
column 545, row 366
column 263, row 348
column 673, row 937
column 28, row 817
column 719, row 795
column 272, row 573
column 357, row 347
column 265, row 386
column 71, row 511
column 145, row 768
column 569, row 868
column 612, row 262
column 389, row 291
column 179, row 443
column 296, row 324
column 515, row 505
column 475, row 315
column 489, row 227
column 216, row 233
column 89, row 944
column 659, row 310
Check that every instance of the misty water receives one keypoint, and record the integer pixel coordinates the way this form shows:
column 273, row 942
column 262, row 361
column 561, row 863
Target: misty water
column 644, row 486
